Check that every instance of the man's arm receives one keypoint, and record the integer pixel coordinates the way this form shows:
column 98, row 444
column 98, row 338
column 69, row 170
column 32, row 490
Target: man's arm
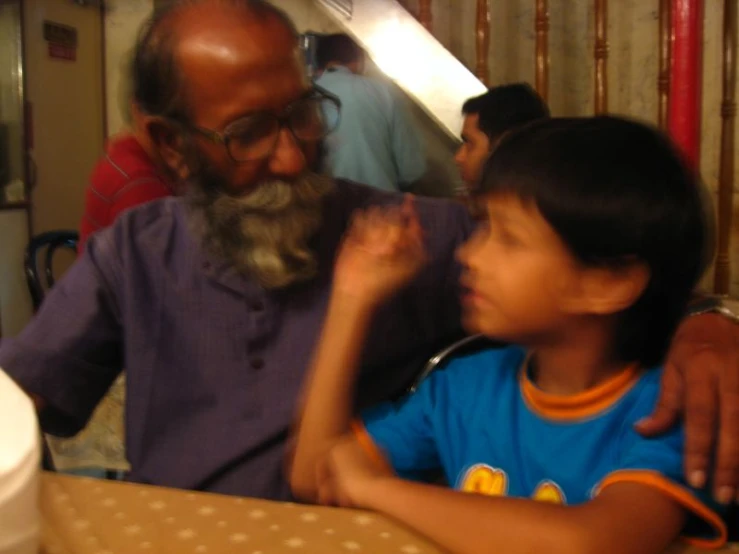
column 701, row 381
column 69, row 354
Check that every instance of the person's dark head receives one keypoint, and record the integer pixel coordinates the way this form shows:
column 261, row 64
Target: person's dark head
column 339, row 49
column 228, row 106
column 488, row 117
column 590, row 222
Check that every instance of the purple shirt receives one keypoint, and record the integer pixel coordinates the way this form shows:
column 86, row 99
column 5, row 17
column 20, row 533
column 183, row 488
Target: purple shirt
column 214, row 362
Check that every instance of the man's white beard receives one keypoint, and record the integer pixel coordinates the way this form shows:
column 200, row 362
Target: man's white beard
column 264, row 234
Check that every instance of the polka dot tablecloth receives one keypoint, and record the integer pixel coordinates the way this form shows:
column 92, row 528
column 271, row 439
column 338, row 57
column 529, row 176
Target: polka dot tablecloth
column 90, row 516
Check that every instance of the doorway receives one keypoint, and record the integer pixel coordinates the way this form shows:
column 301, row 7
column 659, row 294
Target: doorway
column 15, row 303
column 51, row 132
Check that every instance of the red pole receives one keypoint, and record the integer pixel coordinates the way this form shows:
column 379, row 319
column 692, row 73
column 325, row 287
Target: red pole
column 684, row 121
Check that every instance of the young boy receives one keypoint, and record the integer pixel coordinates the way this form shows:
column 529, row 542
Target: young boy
column 590, row 249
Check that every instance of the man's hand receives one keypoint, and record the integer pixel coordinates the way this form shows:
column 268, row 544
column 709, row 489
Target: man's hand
column 701, row 381
column 347, row 475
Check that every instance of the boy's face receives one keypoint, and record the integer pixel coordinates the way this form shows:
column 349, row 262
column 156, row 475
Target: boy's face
column 518, row 274
column 474, row 151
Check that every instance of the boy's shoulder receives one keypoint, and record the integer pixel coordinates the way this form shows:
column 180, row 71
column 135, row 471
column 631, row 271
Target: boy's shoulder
column 482, row 370
column 642, row 398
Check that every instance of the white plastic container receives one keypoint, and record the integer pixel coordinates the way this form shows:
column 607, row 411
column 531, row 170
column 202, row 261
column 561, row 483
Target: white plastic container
column 20, row 455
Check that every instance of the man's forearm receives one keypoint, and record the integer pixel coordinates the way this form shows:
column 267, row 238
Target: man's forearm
column 328, row 407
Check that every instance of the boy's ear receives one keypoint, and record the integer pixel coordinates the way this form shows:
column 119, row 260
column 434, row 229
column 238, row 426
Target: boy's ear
column 609, row 290
column 170, row 145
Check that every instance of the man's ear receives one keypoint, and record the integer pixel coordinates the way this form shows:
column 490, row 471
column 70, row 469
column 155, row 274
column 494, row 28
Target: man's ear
column 609, row 290
column 170, row 144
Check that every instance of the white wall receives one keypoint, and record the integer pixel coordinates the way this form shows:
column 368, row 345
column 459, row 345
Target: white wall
column 11, row 111
column 15, row 302
column 122, row 21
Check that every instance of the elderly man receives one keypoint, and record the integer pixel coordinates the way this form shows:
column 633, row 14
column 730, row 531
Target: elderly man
column 213, row 301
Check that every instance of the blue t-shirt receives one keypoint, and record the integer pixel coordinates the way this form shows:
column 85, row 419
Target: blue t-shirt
column 376, row 142
column 486, row 425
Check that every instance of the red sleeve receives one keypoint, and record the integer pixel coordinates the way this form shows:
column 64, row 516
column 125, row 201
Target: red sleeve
column 136, row 193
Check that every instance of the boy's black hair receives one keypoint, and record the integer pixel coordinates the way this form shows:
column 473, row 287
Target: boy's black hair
column 615, row 191
column 338, row 48
column 506, row 107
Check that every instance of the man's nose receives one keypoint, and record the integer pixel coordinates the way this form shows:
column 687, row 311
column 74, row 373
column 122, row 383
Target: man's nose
column 288, row 159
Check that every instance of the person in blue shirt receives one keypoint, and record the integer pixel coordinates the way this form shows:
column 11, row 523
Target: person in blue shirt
column 376, row 142
column 587, row 256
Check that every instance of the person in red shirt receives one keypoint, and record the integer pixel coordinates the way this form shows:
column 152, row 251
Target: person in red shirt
column 129, row 174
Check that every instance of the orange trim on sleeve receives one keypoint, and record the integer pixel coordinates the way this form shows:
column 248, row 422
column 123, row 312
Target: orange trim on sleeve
column 577, row 406
column 368, row 445
column 678, row 494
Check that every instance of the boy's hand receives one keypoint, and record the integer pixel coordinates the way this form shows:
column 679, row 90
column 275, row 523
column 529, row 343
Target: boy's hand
column 347, row 475
column 382, row 251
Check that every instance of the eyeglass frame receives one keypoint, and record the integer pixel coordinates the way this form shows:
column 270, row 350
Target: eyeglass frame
column 223, row 137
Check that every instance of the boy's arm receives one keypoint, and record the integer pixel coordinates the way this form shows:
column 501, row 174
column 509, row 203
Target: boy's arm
column 329, row 391
column 640, row 507
column 624, row 518
column 381, row 253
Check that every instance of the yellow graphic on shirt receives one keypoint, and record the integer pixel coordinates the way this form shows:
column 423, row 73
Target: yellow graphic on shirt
column 483, row 479
column 493, row 481
column 549, row 491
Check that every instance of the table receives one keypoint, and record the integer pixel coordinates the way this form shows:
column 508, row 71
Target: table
column 91, row 516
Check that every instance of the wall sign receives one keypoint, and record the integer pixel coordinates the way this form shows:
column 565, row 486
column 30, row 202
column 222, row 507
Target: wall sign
column 62, row 40
column 61, row 52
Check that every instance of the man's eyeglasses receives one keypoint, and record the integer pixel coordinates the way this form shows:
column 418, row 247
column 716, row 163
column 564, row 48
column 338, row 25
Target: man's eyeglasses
column 255, row 137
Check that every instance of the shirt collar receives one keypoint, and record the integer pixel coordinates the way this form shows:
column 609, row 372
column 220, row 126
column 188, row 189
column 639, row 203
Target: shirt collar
column 577, row 406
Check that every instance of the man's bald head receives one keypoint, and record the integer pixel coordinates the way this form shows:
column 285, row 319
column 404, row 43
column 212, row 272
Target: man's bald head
column 207, row 75
column 158, row 83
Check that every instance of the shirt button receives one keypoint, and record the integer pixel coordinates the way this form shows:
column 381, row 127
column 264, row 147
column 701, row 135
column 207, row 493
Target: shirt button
column 258, row 306
column 257, row 363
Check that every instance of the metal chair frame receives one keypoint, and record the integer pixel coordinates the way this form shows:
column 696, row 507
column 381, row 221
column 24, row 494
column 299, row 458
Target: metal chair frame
column 51, row 241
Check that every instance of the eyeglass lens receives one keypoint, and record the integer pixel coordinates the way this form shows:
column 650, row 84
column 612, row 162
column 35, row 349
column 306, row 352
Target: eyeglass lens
column 255, row 136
